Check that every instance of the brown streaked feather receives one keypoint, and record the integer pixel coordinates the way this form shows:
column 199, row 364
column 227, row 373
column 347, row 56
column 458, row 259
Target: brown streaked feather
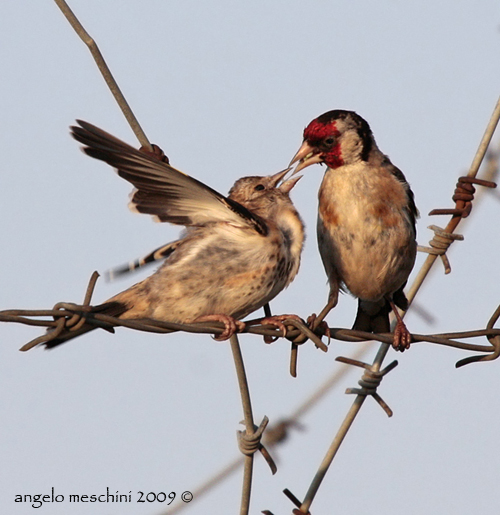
column 410, row 207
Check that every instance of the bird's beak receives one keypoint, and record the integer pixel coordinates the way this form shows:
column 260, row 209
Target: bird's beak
column 286, row 186
column 306, row 156
column 276, row 178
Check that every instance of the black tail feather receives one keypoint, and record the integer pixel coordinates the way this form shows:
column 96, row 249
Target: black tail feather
column 400, row 299
column 373, row 317
column 377, row 321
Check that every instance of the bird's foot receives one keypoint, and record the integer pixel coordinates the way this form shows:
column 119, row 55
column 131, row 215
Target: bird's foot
column 318, row 326
column 231, row 325
column 156, row 152
column 277, row 321
column 402, row 337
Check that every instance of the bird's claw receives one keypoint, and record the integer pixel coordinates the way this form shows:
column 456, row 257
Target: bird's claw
column 156, row 152
column 231, row 325
column 277, row 321
column 319, row 327
column 402, row 337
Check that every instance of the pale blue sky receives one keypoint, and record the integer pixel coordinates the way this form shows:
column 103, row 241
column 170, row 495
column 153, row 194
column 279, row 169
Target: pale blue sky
column 226, row 88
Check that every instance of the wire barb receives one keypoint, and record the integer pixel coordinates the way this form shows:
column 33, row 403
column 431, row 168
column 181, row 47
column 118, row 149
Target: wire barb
column 295, row 501
column 463, row 197
column 304, row 335
column 370, row 381
column 249, row 444
column 440, row 244
column 464, row 193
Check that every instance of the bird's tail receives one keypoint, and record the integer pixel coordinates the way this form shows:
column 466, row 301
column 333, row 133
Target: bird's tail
column 373, row 317
column 108, row 308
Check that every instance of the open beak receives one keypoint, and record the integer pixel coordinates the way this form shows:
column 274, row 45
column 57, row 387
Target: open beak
column 286, row 186
column 276, row 178
column 306, row 156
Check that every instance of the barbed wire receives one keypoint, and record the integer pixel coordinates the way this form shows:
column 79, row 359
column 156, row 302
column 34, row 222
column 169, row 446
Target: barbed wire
column 276, row 434
column 66, row 316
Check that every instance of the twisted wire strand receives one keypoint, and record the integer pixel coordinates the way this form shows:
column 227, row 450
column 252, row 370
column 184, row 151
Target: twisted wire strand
column 70, row 316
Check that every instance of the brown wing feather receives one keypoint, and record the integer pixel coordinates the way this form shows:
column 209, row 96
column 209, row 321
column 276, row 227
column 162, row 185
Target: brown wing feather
column 162, row 191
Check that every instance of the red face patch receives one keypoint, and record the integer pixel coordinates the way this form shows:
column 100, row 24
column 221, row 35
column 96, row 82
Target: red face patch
column 316, row 134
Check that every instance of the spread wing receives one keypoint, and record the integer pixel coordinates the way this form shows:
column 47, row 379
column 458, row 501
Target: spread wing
column 161, row 190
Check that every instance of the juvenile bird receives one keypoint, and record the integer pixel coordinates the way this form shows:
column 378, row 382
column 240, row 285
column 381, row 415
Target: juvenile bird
column 237, row 253
column 366, row 220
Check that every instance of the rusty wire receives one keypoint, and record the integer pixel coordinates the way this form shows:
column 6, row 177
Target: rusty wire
column 460, row 205
column 70, row 316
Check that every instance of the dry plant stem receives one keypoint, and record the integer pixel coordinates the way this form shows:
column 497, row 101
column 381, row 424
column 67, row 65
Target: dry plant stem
column 105, row 72
column 248, row 419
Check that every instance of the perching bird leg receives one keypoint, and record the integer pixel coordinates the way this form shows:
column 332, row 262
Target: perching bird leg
column 157, row 153
column 402, row 337
column 231, row 325
column 316, row 322
column 277, row 321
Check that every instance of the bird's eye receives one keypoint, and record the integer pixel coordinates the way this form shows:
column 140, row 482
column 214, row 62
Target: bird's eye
column 329, row 141
column 259, row 187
